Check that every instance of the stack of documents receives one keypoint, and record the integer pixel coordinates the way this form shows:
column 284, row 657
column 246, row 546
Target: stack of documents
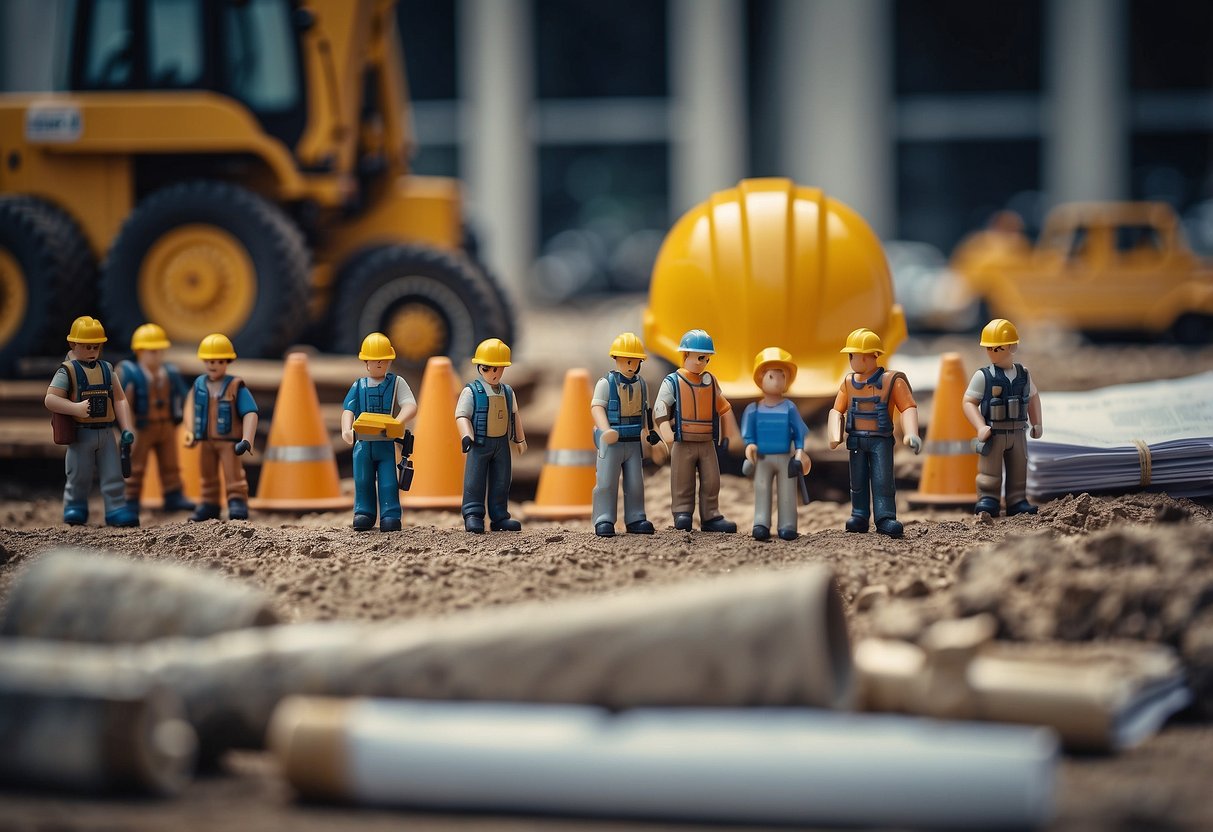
column 1155, row 436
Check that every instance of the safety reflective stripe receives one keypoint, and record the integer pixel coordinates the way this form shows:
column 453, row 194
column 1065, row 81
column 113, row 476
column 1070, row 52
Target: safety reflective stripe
column 571, row 458
column 948, row 447
column 299, row 453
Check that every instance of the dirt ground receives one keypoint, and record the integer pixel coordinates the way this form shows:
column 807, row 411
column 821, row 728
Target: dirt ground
column 1086, row 568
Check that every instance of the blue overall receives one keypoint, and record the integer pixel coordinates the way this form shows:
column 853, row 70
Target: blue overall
column 374, row 459
column 871, row 448
column 488, row 467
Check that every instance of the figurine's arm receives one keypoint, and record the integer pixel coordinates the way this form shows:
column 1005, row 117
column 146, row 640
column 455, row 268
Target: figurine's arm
column 519, row 433
column 1035, row 416
column 56, row 401
column 347, row 426
column 187, row 409
column 909, row 427
column 609, row 435
column 249, row 427
column 122, row 409
column 973, row 414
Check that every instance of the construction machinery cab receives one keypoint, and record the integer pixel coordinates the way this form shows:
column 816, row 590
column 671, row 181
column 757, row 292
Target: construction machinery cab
column 234, row 165
column 772, row 262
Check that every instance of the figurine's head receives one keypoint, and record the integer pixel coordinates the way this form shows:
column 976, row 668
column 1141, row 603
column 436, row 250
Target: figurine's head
column 85, row 338
column 629, row 354
column 148, row 344
column 1001, row 340
column 864, row 348
column 774, row 371
column 491, row 358
column 377, row 351
column 697, row 349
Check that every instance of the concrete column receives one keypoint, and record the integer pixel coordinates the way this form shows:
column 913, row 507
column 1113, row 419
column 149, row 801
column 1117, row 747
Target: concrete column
column 498, row 157
column 32, row 32
column 1086, row 141
column 708, row 101
column 835, row 85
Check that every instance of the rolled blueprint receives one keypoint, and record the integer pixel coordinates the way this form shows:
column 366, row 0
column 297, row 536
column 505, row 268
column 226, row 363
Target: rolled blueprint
column 762, row 639
column 92, row 730
column 752, row 765
column 89, row 596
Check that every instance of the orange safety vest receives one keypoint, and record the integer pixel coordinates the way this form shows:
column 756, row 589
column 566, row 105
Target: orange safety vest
column 695, row 416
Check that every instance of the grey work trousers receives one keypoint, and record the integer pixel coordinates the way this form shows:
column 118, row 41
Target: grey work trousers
column 686, row 460
column 1009, row 450
column 94, row 452
column 626, row 458
column 774, row 467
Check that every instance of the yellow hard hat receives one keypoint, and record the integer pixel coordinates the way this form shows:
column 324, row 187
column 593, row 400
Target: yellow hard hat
column 86, row 330
column 149, row 337
column 627, row 345
column 771, row 262
column 774, row 357
column 376, row 347
column 999, row 333
column 492, row 353
column 216, row 346
column 864, row 340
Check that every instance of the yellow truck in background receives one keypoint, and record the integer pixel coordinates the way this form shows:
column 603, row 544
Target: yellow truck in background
column 238, row 166
column 1096, row 267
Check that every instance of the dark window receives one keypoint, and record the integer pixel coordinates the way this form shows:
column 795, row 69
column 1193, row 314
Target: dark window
column 946, row 190
column 109, row 45
column 1176, row 168
column 435, row 160
column 958, row 46
column 604, row 213
column 176, row 43
column 427, row 35
column 1171, row 44
column 259, row 54
column 590, row 49
column 1138, row 239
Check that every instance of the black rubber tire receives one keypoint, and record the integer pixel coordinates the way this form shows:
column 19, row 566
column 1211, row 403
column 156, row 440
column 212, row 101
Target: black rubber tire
column 274, row 244
column 60, row 276
column 1192, row 329
column 377, row 281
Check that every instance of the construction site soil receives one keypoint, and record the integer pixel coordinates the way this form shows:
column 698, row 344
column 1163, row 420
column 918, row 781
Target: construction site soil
column 1086, row 568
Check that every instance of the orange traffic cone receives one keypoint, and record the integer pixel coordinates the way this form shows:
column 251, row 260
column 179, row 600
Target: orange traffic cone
column 949, row 470
column 566, row 483
column 300, row 469
column 437, row 459
column 151, row 494
column 191, row 468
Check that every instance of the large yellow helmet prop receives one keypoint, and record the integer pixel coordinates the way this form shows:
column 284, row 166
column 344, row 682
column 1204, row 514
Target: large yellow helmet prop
column 772, row 262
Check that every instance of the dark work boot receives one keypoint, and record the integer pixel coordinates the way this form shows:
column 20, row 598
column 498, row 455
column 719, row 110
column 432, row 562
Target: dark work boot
column 473, row 524
column 75, row 514
column 762, row 533
column 390, row 524
column 125, row 517
column 205, row 511
column 640, row 527
column 889, row 526
column 855, row 523
column 788, row 534
column 1022, row 507
column 719, row 525
column 682, row 522
column 237, row 510
column 604, row 529
column 506, row 525
column 363, row 522
column 176, row 501
column 987, row 505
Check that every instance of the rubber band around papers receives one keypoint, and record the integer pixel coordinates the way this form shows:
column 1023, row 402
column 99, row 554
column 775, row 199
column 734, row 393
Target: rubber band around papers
column 1143, row 456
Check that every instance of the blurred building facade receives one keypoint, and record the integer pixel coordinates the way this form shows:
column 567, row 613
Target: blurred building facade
column 582, row 128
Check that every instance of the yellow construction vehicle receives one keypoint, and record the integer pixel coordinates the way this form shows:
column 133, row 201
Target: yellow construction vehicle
column 771, row 263
column 237, row 166
column 1114, row 267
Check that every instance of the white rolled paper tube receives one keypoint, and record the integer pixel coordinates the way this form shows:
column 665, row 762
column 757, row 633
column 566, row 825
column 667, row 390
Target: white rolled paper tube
column 743, row 765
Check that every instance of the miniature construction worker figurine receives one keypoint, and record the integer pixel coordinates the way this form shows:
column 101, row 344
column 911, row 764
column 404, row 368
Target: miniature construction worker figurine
column 690, row 411
column 157, row 393
column 386, row 394
column 87, row 392
column 224, row 423
column 620, row 407
column 776, row 443
column 487, row 417
column 866, row 398
column 1003, row 404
